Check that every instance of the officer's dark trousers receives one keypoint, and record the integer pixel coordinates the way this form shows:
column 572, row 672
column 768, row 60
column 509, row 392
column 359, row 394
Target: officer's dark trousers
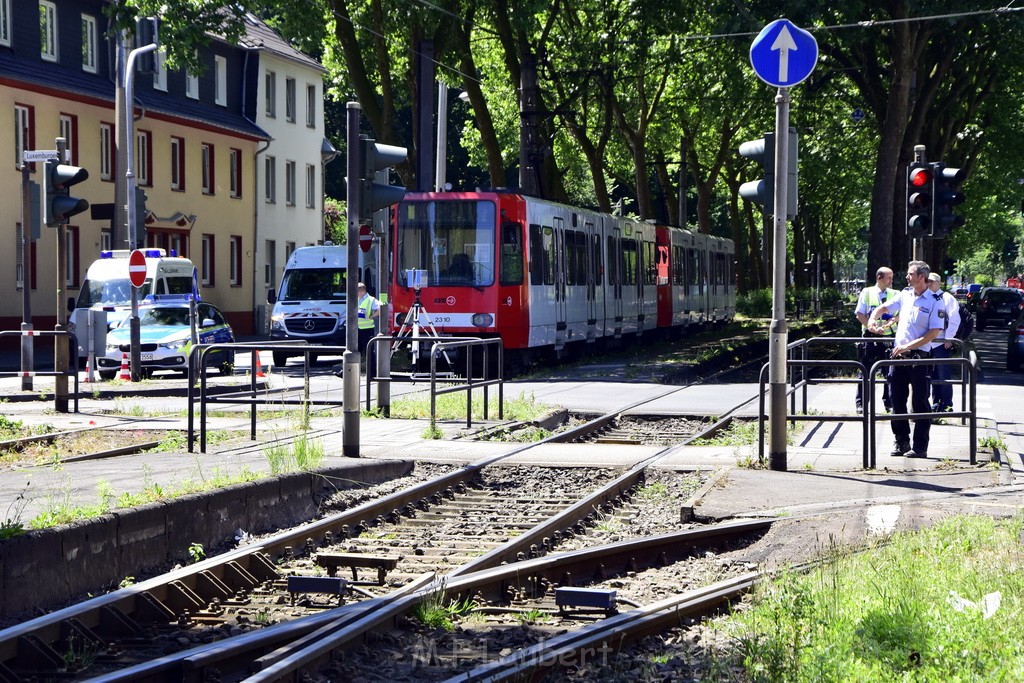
column 914, row 382
column 942, row 394
column 870, row 353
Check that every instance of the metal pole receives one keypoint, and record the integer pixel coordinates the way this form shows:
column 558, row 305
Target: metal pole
column 441, row 166
column 778, row 337
column 383, row 283
column 27, row 350
column 682, row 183
column 60, row 342
column 134, row 327
column 351, row 358
column 918, row 244
column 119, row 240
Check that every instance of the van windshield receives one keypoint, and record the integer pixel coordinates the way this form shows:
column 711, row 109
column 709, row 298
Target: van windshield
column 113, row 292
column 313, row 283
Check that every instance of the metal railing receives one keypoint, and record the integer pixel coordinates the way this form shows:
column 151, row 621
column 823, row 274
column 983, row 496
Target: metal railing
column 253, row 395
column 70, row 371
column 440, row 346
column 798, row 368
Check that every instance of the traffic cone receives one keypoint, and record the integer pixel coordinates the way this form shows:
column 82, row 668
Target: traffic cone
column 259, row 366
column 88, row 371
column 126, row 373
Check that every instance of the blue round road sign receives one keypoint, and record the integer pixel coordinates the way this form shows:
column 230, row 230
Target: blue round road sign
column 783, row 54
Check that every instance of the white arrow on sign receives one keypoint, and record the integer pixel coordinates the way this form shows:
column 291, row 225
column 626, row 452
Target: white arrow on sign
column 784, row 43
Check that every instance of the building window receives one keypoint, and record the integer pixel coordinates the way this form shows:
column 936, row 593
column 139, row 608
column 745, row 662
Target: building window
column 143, row 157
column 236, row 261
column 107, row 151
column 160, row 70
column 105, row 240
column 289, row 247
column 24, row 132
column 235, row 157
column 48, row 30
column 177, row 164
column 311, row 186
column 271, row 94
column 311, row 105
column 207, row 260
column 289, row 183
column 192, row 86
column 270, row 180
column 88, row 43
column 5, row 22
column 71, row 244
column 208, row 179
column 289, row 99
column 220, row 73
column 270, row 268
column 69, row 131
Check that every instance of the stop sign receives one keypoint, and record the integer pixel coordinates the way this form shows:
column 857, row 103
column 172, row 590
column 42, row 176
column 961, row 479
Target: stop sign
column 365, row 237
column 137, row 268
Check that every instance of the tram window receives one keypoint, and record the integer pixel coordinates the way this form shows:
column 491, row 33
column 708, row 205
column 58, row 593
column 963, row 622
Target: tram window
column 511, row 254
column 613, row 262
column 650, row 264
column 598, row 272
column 629, row 262
column 576, row 248
column 548, row 240
column 536, row 255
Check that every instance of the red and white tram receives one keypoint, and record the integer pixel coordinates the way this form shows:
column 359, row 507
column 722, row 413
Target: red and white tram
column 544, row 276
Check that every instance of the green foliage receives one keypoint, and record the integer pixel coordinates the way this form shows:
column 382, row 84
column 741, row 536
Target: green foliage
column 196, row 552
column 432, row 432
column 433, row 612
column 755, row 304
column 523, row 408
column 911, row 609
column 302, row 455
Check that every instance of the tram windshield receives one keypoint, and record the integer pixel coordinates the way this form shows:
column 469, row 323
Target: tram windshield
column 452, row 240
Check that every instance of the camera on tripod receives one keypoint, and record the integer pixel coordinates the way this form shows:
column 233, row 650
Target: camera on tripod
column 417, row 279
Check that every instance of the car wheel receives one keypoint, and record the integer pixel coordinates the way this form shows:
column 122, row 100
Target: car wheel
column 280, row 359
column 107, row 374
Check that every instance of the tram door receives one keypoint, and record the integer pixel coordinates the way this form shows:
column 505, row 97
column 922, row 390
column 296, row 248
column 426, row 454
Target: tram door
column 560, row 284
column 592, row 240
column 615, row 279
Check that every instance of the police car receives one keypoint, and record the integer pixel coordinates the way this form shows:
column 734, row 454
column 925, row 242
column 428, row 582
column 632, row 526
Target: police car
column 164, row 333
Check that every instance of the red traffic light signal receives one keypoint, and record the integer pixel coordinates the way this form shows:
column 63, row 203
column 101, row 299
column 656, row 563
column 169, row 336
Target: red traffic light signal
column 920, row 186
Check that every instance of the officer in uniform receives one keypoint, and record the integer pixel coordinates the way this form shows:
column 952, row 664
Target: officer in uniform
column 919, row 325
column 369, row 311
column 870, row 353
column 942, row 394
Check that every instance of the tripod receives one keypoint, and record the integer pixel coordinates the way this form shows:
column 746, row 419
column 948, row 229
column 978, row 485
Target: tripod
column 411, row 327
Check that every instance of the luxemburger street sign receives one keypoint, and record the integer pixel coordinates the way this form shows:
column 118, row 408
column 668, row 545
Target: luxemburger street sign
column 783, row 54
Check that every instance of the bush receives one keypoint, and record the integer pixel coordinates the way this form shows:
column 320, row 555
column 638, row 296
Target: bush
column 755, row 304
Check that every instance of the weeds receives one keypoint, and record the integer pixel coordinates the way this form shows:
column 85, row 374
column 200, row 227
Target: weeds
column 432, row 432
column 653, row 492
column 533, row 616
column 434, row 613
column 523, row 408
column 303, row 455
column 196, row 552
column 992, row 443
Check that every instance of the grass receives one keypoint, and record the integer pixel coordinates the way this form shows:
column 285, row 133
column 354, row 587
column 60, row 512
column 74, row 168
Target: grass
column 918, row 608
column 528, row 434
column 533, row 616
column 523, row 408
column 434, row 613
column 653, row 492
column 742, row 433
column 302, row 455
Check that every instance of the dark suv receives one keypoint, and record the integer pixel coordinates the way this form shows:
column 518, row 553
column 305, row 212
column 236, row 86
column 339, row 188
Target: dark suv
column 1001, row 304
column 1015, row 344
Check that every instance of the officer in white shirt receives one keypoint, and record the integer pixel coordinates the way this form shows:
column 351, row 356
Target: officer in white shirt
column 872, row 352
column 919, row 325
column 942, row 394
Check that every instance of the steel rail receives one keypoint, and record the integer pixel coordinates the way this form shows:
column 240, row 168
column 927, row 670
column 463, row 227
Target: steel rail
column 494, row 583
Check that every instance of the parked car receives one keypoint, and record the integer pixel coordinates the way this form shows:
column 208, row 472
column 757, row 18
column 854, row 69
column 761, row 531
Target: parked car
column 1015, row 344
column 999, row 304
column 961, row 293
column 165, row 333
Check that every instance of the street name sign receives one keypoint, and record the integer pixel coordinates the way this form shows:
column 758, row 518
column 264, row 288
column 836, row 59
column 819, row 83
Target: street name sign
column 783, row 54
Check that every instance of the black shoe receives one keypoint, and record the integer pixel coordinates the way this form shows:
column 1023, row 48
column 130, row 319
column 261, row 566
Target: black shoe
column 900, row 449
column 914, row 453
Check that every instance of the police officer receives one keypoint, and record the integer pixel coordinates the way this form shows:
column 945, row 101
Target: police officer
column 870, row 298
column 942, row 394
column 369, row 311
column 919, row 325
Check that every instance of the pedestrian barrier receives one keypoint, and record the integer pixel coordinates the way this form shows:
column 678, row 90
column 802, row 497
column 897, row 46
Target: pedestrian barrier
column 252, row 396
column 71, row 371
column 440, row 348
column 799, row 368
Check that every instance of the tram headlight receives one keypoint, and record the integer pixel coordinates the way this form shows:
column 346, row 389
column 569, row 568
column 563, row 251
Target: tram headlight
column 482, row 320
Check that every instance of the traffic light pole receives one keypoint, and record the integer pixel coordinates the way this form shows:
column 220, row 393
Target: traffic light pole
column 778, row 338
column 61, row 347
column 27, row 350
column 351, row 359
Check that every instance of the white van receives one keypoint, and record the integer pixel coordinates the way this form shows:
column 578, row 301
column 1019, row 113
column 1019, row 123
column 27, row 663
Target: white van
column 107, row 287
column 310, row 304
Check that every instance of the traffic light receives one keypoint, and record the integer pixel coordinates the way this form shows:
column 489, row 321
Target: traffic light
column 949, row 267
column 58, row 204
column 763, row 191
column 920, row 190
column 375, row 157
column 140, row 215
column 945, row 198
